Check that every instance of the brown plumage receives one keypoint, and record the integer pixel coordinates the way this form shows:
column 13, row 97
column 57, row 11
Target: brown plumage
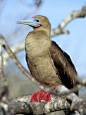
column 47, row 62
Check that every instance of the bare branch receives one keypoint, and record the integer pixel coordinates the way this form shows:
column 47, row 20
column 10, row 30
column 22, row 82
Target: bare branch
column 66, row 92
column 23, row 105
column 3, row 84
column 55, row 104
column 77, row 103
column 20, row 108
column 1, row 70
column 75, row 14
column 21, row 99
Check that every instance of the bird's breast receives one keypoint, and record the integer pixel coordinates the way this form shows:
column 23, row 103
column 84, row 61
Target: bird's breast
column 40, row 62
column 36, row 49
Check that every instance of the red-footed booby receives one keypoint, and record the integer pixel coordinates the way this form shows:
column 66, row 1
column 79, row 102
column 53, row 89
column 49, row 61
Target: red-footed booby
column 47, row 62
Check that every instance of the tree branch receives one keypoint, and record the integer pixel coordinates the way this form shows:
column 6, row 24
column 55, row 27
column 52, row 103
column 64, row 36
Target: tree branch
column 56, row 104
column 37, row 108
column 77, row 103
column 1, row 60
column 75, row 14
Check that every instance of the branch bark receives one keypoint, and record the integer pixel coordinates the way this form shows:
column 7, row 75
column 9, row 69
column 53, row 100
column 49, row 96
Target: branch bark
column 56, row 104
column 77, row 103
column 37, row 108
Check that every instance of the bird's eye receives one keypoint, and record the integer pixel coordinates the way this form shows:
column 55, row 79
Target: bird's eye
column 37, row 20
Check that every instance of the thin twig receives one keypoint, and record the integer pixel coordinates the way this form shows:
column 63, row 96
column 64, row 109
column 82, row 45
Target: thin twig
column 1, row 60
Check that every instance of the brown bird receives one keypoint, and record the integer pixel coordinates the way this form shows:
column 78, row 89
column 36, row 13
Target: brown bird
column 47, row 62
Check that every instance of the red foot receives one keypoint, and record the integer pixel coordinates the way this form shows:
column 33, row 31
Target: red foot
column 40, row 95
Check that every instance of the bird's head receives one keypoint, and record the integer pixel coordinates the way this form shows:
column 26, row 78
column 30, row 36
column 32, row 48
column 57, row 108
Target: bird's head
column 37, row 22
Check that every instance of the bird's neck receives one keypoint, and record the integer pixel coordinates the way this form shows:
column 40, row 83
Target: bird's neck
column 46, row 30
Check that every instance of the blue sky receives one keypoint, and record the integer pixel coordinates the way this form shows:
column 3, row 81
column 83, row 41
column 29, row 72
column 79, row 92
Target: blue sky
column 74, row 44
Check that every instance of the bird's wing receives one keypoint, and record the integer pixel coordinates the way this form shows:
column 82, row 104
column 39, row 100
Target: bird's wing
column 63, row 65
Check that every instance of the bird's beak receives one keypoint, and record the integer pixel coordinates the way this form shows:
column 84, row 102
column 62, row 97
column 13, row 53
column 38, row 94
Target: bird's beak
column 30, row 22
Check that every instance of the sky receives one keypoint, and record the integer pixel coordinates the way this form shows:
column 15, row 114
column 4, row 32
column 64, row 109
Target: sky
column 74, row 44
